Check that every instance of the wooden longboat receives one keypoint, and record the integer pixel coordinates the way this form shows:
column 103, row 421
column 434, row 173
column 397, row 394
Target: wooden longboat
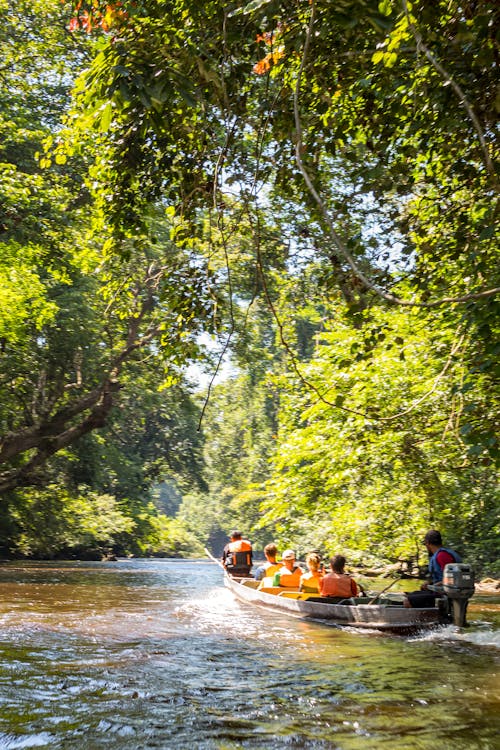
column 386, row 615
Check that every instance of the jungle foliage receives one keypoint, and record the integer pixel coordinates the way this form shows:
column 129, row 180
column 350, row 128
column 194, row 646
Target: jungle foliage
column 311, row 184
column 86, row 431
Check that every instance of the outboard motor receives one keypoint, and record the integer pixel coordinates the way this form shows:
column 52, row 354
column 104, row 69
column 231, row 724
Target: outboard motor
column 458, row 585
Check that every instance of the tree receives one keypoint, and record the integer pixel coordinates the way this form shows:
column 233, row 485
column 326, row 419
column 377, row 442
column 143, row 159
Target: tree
column 366, row 484
column 355, row 83
column 341, row 111
column 67, row 380
column 70, row 317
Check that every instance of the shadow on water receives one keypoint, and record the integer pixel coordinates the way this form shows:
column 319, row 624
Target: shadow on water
column 157, row 654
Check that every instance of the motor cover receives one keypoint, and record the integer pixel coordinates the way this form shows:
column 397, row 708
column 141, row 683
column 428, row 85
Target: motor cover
column 458, row 581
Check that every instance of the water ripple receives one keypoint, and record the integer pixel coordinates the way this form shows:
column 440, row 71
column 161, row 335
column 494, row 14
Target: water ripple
column 157, row 654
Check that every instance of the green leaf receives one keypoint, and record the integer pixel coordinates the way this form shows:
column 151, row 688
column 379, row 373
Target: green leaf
column 250, row 8
column 385, row 7
column 390, row 59
column 106, row 117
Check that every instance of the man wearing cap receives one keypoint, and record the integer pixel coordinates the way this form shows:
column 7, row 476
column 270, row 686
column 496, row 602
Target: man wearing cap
column 237, row 555
column 290, row 573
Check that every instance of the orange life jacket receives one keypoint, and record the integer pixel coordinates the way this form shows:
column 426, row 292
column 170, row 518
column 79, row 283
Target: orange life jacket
column 290, row 578
column 338, row 584
column 309, row 583
column 272, row 568
column 241, row 554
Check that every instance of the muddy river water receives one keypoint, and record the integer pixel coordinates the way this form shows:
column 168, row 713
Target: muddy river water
column 157, row 654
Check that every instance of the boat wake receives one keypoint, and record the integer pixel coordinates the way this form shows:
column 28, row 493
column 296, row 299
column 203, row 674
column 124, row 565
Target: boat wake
column 480, row 634
column 219, row 611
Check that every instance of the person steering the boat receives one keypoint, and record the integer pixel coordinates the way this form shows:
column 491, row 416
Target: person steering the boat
column 290, row 573
column 310, row 581
column 271, row 566
column 338, row 583
column 237, row 555
column 439, row 556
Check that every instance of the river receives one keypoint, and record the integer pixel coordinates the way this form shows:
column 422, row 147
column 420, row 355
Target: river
column 157, row 654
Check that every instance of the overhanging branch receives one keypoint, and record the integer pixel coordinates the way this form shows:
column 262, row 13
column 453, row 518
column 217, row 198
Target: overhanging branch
column 339, row 243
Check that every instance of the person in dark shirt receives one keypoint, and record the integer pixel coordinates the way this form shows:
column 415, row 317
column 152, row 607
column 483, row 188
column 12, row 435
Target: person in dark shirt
column 237, row 555
column 439, row 556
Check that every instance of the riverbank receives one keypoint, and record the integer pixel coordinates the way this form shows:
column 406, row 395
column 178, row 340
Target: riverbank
column 488, row 586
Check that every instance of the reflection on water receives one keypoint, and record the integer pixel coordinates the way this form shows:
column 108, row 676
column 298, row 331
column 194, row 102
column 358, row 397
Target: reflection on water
column 156, row 654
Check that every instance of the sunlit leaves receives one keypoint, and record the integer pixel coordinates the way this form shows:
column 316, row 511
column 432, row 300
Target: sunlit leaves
column 358, row 480
column 250, row 7
column 23, row 299
column 50, row 520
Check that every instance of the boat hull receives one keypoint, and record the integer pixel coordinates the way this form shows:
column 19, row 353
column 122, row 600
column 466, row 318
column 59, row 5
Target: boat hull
column 396, row 619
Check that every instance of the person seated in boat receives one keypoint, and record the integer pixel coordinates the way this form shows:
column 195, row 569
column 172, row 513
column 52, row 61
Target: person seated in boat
column 237, row 555
column 290, row 573
column 271, row 566
column 439, row 556
column 338, row 583
column 309, row 582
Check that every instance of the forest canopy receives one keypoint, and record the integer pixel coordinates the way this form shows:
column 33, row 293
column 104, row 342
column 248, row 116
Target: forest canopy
column 312, row 186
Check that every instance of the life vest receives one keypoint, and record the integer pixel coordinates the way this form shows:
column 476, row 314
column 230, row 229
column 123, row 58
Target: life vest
column 290, row 578
column 338, row 584
column 271, row 569
column 309, row 582
column 239, row 554
column 434, row 568
column 266, row 570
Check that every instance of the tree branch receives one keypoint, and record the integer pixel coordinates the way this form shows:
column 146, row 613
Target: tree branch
column 456, row 88
column 339, row 244
column 52, row 433
column 48, row 444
